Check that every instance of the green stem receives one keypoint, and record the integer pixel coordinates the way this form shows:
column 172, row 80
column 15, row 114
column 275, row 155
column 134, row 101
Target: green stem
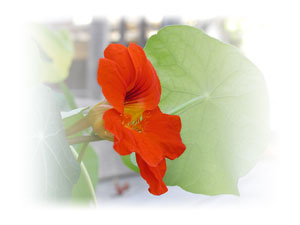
column 82, row 151
column 83, row 139
column 87, row 177
column 68, row 95
column 80, row 125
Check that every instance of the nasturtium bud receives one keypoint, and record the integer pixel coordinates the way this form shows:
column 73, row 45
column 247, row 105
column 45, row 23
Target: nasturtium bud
column 95, row 117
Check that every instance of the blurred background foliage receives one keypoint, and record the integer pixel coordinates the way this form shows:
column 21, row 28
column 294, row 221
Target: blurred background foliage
column 68, row 53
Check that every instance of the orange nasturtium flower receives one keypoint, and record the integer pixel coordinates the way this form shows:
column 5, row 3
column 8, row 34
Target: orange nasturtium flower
column 132, row 88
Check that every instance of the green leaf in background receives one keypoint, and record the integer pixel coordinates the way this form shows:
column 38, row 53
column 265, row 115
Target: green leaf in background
column 56, row 54
column 130, row 162
column 222, row 101
column 81, row 191
column 55, row 168
column 68, row 95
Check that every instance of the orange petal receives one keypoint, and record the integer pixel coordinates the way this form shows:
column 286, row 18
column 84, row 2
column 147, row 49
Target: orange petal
column 164, row 130
column 147, row 89
column 128, row 77
column 124, row 140
column 159, row 138
column 120, row 55
column 153, row 175
column 128, row 140
column 113, row 84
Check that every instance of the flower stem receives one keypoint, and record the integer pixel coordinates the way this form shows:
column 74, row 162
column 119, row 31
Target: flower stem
column 80, row 125
column 87, row 177
column 83, row 139
column 82, row 151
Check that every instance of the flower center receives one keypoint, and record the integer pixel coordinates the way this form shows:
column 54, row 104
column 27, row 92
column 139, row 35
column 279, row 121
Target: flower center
column 132, row 118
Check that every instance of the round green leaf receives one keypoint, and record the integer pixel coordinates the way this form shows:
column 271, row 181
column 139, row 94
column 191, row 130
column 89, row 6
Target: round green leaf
column 222, row 101
column 54, row 167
